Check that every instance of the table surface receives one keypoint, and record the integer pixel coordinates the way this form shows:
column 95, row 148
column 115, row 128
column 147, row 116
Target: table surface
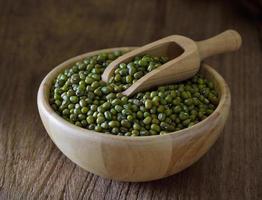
column 35, row 36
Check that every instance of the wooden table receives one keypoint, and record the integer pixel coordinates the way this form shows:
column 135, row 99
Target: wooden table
column 35, row 36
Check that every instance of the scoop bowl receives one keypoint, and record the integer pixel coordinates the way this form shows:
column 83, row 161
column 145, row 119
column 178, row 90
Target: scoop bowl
column 134, row 159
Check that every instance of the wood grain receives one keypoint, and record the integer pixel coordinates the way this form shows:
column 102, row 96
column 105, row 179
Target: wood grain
column 35, row 36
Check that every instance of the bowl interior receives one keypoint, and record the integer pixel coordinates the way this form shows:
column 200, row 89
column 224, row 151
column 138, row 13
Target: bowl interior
column 43, row 94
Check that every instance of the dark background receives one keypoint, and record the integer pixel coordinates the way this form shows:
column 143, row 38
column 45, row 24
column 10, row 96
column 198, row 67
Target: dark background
column 35, row 36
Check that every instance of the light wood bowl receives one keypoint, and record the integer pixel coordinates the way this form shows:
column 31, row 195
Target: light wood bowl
column 133, row 159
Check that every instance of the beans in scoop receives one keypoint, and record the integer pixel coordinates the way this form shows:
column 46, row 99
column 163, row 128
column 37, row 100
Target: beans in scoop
column 127, row 74
column 80, row 96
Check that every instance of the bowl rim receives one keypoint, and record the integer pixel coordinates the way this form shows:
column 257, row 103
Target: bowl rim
column 44, row 106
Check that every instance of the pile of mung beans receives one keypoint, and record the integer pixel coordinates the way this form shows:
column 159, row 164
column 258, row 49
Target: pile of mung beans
column 80, row 96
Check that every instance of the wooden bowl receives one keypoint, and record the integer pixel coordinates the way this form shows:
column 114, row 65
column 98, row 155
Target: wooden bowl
column 133, row 159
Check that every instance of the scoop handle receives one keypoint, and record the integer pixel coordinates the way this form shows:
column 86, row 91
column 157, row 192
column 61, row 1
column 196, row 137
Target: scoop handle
column 227, row 41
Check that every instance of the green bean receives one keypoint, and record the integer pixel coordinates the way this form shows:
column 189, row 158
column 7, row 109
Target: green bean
column 80, row 97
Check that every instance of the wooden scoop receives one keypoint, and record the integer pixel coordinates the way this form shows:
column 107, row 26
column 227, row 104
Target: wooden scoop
column 185, row 55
